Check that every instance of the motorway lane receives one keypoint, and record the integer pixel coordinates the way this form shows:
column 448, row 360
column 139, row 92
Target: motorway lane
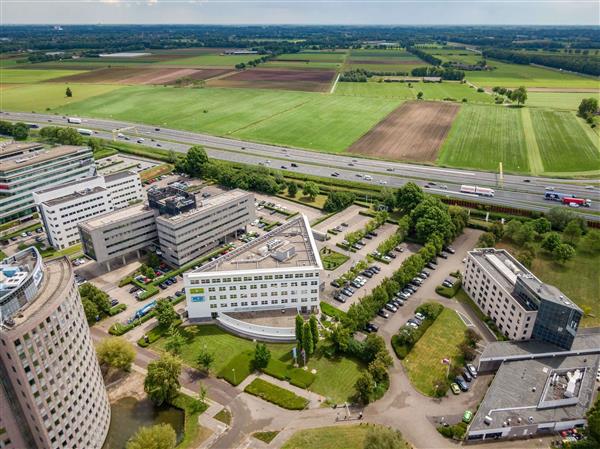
column 515, row 192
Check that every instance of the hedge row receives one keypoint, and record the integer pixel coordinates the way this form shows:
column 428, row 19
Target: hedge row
column 283, row 371
column 276, row 395
column 449, row 292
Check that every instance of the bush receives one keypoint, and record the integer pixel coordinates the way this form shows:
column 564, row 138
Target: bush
column 276, row 395
column 332, row 311
column 125, row 281
column 449, row 292
column 117, row 309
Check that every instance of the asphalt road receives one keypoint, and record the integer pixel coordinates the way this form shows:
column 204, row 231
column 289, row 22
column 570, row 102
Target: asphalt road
column 526, row 192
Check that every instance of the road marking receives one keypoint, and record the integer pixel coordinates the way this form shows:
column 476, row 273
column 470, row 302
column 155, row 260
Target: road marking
column 465, row 319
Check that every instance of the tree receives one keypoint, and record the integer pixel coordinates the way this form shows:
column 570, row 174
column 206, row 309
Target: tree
column 409, row 196
column 292, row 189
column 572, row 233
column 307, row 340
column 20, row 131
column 373, row 345
column 314, row 330
column 542, row 225
column 431, row 216
column 195, row 161
column 299, row 329
column 388, row 198
column 497, row 229
column 590, row 243
column 563, row 253
column 153, row 260
column 172, row 157
column 383, row 438
column 337, row 201
column 165, row 313
column 159, row 436
column 311, row 190
column 64, row 136
column 519, row 95
column 378, row 370
column 524, row 234
column 588, row 107
column 162, row 379
column 116, row 352
column 486, row 240
column 364, row 386
column 68, row 92
column 512, row 227
column 340, row 336
column 419, row 95
column 175, row 341
column 559, row 217
column 262, row 355
column 90, row 310
column 205, row 360
column 551, row 241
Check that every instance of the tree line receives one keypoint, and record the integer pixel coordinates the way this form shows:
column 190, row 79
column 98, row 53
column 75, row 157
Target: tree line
column 18, row 131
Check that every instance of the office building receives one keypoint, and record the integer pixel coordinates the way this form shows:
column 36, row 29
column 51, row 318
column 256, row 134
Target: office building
column 521, row 305
column 276, row 271
column 539, row 388
column 63, row 207
column 28, row 167
column 189, row 226
column 183, row 225
column 118, row 233
column 52, row 395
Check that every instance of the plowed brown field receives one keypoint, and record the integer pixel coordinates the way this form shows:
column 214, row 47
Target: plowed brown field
column 414, row 131
column 308, row 80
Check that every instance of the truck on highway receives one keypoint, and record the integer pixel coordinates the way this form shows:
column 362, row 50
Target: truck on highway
column 576, row 202
column 556, row 196
column 74, row 120
column 476, row 190
column 85, row 132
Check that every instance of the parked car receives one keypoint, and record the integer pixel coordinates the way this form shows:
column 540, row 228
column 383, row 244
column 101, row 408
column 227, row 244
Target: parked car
column 450, row 250
column 455, row 388
column 367, row 274
column 371, row 327
column 420, row 316
column 402, row 296
column 461, row 383
column 293, row 164
column 431, row 265
column 414, row 321
column 472, row 370
column 444, row 255
column 397, row 302
column 411, row 288
column 114, row 302
column 467, row 416
column 466, row 375
column 392, row 308
column 335, row 284
column 382, row 313
column 339, row 297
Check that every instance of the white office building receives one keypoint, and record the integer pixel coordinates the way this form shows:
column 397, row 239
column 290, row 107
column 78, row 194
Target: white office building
column 279, row 270
column 63, row 207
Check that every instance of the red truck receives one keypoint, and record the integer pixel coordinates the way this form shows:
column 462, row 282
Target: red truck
column 577, row 201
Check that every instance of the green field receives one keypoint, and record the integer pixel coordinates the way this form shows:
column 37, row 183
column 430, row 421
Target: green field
column 314, row 56
column 286, row 64
column 301, row 119
column 564, row 143
column 515, row 75
column 38, row 97
column 25, row 76
column 335, row 437
column 336, row 377
column 455, row 55
column 424, row 362
column 558, row 100
column 483, row 136
column 209, row 60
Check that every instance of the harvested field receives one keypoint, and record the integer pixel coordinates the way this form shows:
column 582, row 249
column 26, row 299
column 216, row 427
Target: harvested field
column 386, row 61
column 415, row 131
column 134, row 75
column 305, row 80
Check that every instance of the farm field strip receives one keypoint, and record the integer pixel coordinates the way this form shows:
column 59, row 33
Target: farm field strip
column 415, row 131
column 482, row 136
column 564, row 145
column 558, row 100
column 308, row 80
column 25, row 76
column 536, row 165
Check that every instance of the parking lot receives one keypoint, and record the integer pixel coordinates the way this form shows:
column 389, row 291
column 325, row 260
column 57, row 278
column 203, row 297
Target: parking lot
column 291, row 206
column 120, row 162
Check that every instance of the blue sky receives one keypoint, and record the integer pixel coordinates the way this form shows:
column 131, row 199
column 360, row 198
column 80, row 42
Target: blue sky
column 353, row 12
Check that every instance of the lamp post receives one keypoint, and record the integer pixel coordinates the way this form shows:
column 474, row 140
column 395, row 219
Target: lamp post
column 233, row 371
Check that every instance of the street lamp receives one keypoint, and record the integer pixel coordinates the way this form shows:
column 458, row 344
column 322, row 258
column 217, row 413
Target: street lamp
column 234, row 381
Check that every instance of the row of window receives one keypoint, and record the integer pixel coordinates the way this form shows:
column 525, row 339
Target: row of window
column 263, row 303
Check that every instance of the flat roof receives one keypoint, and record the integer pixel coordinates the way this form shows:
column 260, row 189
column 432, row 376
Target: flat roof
column 290, row 245
column 11, row 148
column 36, row 157
column 584, row 341
column 115, row 216
column 74, row 195
column 119, row 175
column 204, row 204
column 56, row 274
column 67, row 184
column 524, row 390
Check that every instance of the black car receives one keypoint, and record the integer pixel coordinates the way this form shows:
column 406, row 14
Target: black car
column 431, row 265
column 383, row 314
column 339, row 297
column 114, row 302
column 370, row 327
column 467, row 375
column 335, row 284
column 461, row 383
column 294, row 164
column 367, row 274
column 450, row 250
column 444, row 255
column 162, row 286
column 133, row 289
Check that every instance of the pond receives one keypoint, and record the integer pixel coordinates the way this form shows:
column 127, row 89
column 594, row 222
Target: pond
column 129, row 414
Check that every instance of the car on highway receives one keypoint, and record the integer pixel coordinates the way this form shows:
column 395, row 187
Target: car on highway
column 293, row 164
column 389, row 169
column 335, row 174
column 455, row 388
column 284, row 167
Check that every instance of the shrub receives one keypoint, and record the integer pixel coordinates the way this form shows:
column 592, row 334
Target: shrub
column 276, row 395
column 117, row 309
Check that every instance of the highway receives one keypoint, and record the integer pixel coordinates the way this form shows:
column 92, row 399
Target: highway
column 526, row 192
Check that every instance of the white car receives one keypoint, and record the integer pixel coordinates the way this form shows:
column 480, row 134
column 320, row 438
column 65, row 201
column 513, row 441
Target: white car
column 381, row 181
column 550, row 189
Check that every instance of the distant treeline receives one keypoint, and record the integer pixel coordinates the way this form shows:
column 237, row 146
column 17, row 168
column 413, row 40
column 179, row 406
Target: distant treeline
column 446, row 73
column 574, row 63
column 362, row 75
column 424, row 56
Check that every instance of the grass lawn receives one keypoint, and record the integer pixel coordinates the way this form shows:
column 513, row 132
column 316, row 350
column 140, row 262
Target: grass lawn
column 25, row 76
column 225, row 346
column 155, row 171
column 276, row 395
column 578, row 279
column 515, row 75
column 558, row 100
column 267, row 436
column 38, row 97
column 224, row 416
column 482, row 136
column 332, row 259
column 334, row 437
column 319, row 201
column 564, row 143
column 424, row 362
column 302, row 119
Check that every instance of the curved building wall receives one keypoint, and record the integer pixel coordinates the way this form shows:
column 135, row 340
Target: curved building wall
column 51, row 369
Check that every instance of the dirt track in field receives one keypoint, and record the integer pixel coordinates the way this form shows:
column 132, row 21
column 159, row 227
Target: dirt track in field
column 415, row 131
column 307, row 80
